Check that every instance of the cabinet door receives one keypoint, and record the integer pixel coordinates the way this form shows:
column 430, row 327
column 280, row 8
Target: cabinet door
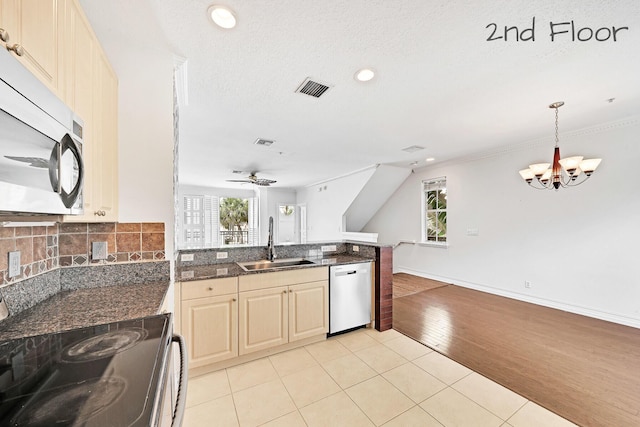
column 308, row 310
column 105, row 156
column 33, row 24
column 263, row 319
column 210, row 328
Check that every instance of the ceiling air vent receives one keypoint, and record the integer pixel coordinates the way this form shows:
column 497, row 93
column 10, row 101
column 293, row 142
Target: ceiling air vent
column 413, row 149
column 313, row 88
column 264, row 142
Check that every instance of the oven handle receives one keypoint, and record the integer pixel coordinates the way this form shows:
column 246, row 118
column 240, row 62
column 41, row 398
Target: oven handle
column 181, row 400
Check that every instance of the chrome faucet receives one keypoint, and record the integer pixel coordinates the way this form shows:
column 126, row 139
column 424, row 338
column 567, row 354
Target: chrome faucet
column 271, row 250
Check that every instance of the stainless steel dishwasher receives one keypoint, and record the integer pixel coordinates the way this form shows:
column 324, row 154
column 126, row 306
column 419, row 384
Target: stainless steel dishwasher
column 349, row 296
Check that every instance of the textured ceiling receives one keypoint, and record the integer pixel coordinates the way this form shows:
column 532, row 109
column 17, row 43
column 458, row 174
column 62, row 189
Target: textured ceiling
column 440, row 83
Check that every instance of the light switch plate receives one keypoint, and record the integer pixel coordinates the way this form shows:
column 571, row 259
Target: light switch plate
column 356, row 248
column 221, row 255
column 186, row 257
column 329, row 248
column 99, row 250
column 14, row 263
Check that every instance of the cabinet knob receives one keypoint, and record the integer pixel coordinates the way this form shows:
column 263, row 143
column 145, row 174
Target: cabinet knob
column 284, row 292
column 233, row 299
column 19, row 50
column 210, row 288
column 4, row 35
column 290, row 291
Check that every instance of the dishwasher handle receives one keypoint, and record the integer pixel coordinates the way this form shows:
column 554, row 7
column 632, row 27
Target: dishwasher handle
column 181, row 399
column 345, row 273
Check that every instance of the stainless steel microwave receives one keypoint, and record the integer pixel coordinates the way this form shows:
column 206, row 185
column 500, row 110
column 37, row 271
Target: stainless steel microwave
column 41, row 167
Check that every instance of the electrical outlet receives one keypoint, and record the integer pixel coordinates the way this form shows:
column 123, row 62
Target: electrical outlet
column 221, row 255
column 329, row 248
column 222, row 271
column 99, row 250
column 14, row 263
column 356, row 248
column 186, row 257
column 527, row 284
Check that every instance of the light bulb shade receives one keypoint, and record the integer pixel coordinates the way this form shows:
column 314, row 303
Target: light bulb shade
column 539, row 169
column 589, row 165
column 546, row 176
column 527, row 174
column 570, row 164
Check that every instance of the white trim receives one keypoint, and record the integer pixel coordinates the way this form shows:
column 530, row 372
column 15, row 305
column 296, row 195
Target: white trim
column 343, row 176
column 576, row 309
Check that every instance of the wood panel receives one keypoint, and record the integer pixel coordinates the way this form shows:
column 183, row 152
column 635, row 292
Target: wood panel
column 384, row 288
column 583, row 369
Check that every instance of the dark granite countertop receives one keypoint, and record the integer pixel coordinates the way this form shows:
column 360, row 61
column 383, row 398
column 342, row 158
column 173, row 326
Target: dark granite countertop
column 86, row 307
column 221, row 270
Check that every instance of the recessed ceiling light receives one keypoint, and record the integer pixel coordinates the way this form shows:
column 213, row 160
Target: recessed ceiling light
column 222, row 16
column 429, row 159
column 364, row 75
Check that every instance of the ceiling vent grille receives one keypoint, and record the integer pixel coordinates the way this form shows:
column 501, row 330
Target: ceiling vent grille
column 313, row 88
column 264, row 142
column 413, row 149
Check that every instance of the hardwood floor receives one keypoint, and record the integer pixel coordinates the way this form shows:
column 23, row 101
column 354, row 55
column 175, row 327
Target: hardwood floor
column 406, row 284
column 584, row 369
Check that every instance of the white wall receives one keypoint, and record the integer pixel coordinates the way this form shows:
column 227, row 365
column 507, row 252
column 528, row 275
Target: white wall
column 578, row 247
column 270, row 198
column 327, row 202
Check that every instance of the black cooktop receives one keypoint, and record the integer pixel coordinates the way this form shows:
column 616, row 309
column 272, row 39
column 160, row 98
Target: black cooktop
column 104, row 375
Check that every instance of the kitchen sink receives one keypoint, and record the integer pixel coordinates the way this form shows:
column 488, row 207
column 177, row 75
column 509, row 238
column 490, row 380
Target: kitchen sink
column 274, row 265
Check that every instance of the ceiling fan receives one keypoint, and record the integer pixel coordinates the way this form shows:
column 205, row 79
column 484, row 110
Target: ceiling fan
column 253, row 179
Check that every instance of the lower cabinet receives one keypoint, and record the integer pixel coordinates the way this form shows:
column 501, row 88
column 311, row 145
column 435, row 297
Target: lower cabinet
column 224, row 318
column 263, row 319
column 209, row 324
column 272, row 315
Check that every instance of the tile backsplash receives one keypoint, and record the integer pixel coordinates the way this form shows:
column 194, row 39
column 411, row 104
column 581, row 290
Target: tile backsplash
column 44, row 248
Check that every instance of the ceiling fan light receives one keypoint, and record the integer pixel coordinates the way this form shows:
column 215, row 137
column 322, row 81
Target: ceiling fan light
column 222, row 16
column 589, row 165
column 539, row 169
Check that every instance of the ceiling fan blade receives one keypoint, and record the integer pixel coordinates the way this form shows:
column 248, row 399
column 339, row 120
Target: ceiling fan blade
column 239, row 180
column 264, row 182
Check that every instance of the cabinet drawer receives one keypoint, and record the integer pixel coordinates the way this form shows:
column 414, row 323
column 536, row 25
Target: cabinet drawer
column 252, row 282
column 209, row 288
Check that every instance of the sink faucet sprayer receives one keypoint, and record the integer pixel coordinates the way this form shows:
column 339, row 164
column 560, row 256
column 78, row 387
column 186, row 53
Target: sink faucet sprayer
column 271, row 250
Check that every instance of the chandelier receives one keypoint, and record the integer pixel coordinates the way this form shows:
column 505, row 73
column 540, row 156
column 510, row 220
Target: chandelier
column 567, row 172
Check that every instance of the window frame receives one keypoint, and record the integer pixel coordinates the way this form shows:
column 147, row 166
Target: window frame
column 439, row 183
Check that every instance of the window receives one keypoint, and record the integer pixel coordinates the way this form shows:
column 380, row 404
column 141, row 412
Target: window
column 434, row 211
column 212, row 221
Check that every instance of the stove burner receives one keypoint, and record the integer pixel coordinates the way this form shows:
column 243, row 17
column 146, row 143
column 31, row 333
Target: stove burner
column 72, row 404
column 103, row 345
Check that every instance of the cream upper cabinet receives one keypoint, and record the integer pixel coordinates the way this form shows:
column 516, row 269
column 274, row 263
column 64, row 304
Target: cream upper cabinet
column 34, row 30
column 91, row 90
column 308, row 310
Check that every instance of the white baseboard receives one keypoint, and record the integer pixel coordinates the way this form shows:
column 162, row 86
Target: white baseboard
column 589, row 312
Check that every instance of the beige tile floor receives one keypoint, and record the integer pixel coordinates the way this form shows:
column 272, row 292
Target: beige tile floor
column 363, row 378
